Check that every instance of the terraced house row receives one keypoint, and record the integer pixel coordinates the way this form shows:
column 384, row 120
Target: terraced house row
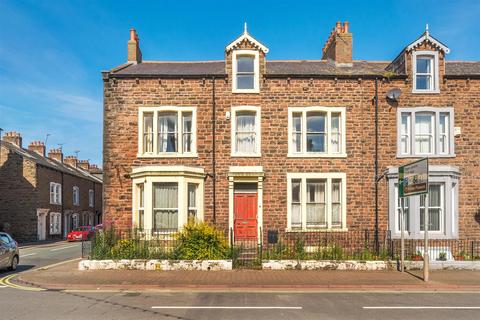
column 252, row 144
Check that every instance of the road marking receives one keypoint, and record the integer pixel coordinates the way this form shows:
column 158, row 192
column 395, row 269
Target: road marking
column 421, row 307
column 2, row 286
column 6, row 281
column 227, row 307
column 28, row 254
column 55, row 264
column 62, row 248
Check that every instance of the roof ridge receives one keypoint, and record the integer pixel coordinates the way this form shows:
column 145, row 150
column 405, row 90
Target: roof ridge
column 205, row 61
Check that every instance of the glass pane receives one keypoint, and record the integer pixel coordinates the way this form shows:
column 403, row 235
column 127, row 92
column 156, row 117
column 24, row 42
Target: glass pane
column 165, row 219
column 316, row 191
column 141, row 219
column 167, row 128
column 245, row 64
column 245, row 132
column 315, row 122
column 434, row 196
column 165, row 195
column 316, row 214
column 424, row 64
column 423, row 82
column 336, row 184
column 336, row 215
column 192, row 192
column 296, row 215
column 187, row 122
column 167, row 122
column 141, row 196
column 405, row 119
column 315, row 142
column 444, row 132
column 335, row 122
column 297, row 122
column 295, row 190
column 245, row 81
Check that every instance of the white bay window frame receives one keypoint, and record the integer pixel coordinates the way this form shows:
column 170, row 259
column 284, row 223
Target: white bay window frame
column 328, row 111
column 256, row 68
column 148, row 176
column 156, row 111
column 329, row 177
column 411, row 135
column 258, row 131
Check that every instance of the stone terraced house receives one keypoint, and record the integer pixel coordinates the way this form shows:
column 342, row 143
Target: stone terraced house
column 255, row 145
column 43, row 197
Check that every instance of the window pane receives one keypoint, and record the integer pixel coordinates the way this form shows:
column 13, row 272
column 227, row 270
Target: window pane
column 187, row 132
column 245, row 81
column 295, row 190
column 296, row 204
column 423, row 82
column 315, row 122
column 335, row 134
column 297, row 132
column 141, row 196
column 435, row 209
column 316, row 203
column 167, row 128
column 423, row 133
column 148, row 132
column 245, row 132
column 424, row 64
column 165, row 199
column 315, row 142
column 192, row 200
column 336, row 203
column 245, row 64
column 444, row 133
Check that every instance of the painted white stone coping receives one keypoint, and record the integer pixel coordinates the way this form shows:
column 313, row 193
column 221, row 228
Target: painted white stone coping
column 444, row 265
column 325, row 265
column 164, row 265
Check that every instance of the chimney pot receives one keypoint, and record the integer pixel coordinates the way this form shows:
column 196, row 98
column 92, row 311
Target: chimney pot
column 346, row 25
column 134, row 52
column 38, row 147
column 338, row 47
column 84, row 164
column 71, row 161
column 13, row 137
column 56, row 154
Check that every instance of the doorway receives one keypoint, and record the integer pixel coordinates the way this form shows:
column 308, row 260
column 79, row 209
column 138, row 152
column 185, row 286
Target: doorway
column 245, row 219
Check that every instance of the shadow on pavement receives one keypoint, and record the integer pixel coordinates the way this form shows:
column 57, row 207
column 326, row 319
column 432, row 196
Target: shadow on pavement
column 21, row 268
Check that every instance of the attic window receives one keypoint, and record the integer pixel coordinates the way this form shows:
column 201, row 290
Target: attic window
column 245, row 71
column 425, row 72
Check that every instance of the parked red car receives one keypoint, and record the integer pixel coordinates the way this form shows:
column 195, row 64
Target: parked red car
column 81, row 233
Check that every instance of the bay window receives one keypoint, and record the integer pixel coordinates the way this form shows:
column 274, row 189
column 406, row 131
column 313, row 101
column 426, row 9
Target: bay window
column 425, row 131
column 316, row 201
column 316, row 132
column 167, row 132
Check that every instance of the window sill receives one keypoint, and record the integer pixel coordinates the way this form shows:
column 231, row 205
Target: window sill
column 168, row 155
column 246, row 155
column 401, row 156
column 317, row 155
column 246, row 91
column 437, row 91
column 56, row 204
column 317, row 230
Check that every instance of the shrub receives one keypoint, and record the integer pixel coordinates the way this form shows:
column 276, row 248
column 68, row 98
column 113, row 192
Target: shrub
column 200, row 241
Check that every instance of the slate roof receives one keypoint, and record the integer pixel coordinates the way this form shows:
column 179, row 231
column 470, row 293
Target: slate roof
column 278, row 68
column 50, row 163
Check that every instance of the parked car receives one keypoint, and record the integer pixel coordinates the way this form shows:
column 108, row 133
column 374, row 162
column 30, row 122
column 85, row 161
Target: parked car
column 81, row 233
column 9, row 255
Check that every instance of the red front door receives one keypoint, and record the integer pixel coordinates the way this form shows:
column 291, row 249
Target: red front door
column 245, row 216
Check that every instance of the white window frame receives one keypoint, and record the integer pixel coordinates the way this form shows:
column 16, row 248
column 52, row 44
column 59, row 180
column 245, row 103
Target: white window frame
column 182, row 175
column 436, row 111
column 258, row 131
column 91, row 197
column 328, row 154
column 155, row 110
column 256, row 67
column 328, row 176
column 55, row 223
column 76, row 196
column 55, row 193
column 448, row 178
column 435, row 77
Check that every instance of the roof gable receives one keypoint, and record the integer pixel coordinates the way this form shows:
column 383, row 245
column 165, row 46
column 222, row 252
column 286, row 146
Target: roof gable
column 246, row 37
column 426, row 37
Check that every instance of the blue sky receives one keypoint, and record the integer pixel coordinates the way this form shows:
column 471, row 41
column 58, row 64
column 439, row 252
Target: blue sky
column 52, row 52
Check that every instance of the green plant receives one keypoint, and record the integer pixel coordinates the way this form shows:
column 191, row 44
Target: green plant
column 330, row 252
column 299, row 249
column 442, row 256
column 200, row 241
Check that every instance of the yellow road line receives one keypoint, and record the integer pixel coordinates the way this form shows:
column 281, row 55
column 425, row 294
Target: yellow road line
column 6, row 281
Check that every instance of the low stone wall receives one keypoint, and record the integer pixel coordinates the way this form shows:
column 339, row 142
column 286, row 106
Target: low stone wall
column 165, row 265
column 444, row 265
column 325, row 265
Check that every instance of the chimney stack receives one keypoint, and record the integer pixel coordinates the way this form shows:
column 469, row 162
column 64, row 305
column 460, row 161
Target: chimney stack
column 56, row 154
column 71, row 161
column 134, row 52
column 38, row 147
column 84, row 164
column 338, row 47
column 14, row 138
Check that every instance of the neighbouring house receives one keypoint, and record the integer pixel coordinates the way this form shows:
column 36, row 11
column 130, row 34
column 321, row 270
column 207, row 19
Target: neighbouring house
column 255, row 145
column 43, row 197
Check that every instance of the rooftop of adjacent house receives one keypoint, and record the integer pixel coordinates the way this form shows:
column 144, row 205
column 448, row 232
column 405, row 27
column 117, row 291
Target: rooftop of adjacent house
column 50, row 163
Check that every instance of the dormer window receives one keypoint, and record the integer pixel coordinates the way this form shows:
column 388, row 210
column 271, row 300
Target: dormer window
column 245, row 71
column 425, row 72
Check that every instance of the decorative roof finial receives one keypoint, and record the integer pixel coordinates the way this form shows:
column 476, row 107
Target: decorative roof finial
column 245, row 28
column 426, row 28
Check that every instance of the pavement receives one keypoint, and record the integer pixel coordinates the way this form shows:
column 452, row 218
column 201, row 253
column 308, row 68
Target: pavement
column 66, row 276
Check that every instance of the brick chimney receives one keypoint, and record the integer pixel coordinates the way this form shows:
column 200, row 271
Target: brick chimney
column 71, row 161
column 338, row 47
column 38, row 147
column 13, row 137
column 56, row 154
column 134, row 52
column 83, row 164
column 94, row 169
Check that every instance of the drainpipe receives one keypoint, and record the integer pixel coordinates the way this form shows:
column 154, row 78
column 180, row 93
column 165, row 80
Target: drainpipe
column 376, row 167
column 214, row 134
column 63, row 212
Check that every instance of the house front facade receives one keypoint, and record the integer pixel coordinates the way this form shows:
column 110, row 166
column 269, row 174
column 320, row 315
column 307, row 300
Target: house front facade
column 254, row 145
